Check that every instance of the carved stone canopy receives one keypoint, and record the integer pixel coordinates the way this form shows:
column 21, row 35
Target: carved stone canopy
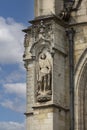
column 40, row 35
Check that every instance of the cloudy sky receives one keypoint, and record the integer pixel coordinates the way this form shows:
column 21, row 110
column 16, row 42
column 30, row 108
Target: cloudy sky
column 14, row 16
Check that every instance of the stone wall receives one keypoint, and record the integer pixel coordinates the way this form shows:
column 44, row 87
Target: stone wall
column 41, row 119
column 80, row 41
column 80, row 57
column 81, row 14
column 45, row 7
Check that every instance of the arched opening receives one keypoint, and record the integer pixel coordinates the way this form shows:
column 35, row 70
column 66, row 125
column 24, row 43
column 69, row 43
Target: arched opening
column 81, row 94
column 82, row 103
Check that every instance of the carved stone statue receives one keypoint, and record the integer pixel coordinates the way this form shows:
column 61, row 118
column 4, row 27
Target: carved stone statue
column 44, row 77
column 26, row 45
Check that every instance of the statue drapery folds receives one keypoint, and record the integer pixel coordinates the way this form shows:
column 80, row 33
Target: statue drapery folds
column 44, row 77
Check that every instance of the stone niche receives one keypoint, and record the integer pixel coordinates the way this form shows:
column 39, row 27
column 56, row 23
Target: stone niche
column 42, row 50
column 38, row 45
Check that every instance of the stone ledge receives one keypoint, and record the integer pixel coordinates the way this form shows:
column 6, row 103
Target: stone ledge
column 61, row 108
column 50, row 17
column 28, row 113
column 61, row 51
column 77, row 24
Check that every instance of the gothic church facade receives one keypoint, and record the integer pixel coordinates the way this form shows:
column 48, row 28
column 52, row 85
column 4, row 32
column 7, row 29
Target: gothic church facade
column 55, row 59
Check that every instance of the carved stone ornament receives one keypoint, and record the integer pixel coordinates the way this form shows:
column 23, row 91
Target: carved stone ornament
column 42, row 31
column 44, row 77
column 42, row 35
column 27, row 45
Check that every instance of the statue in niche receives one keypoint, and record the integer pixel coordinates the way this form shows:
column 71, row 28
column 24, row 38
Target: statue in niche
column 26, row 45
column 44, row 78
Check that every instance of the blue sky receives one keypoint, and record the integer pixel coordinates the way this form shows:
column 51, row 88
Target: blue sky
column 14, row 16
column 20, row 10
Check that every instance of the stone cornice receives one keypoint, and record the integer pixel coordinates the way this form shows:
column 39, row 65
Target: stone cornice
column 28, row 113
column 49, row 17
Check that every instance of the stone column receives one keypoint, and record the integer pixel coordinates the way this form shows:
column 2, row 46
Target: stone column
column 48, row 7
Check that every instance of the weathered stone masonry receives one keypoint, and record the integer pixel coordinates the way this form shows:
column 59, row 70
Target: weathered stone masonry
column 46, row 59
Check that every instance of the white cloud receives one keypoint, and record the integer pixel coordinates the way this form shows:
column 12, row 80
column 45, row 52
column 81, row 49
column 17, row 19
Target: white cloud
column 11, row 41
column 16, row 88
column 12, row 126
column 14, row 104
column 11, row 51
column 16, row 97
column 15, row 76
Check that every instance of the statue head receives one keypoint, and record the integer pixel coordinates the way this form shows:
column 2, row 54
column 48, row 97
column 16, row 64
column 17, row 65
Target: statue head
column 43, row 56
